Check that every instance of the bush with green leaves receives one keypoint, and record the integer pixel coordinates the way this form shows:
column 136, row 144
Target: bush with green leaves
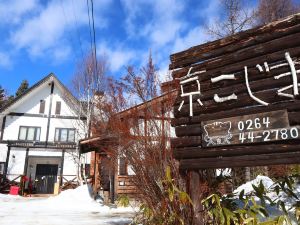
column 252, row 208
column 174, row 208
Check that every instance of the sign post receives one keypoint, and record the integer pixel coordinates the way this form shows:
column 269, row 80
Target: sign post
column 238, row 101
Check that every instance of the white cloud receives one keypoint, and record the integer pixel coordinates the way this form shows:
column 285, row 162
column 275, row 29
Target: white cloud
column 118, row 57
column 5, row 60
column 61, row 53
column 13, row 11
column 163, row 24
column 195, row 36
column 53, row 27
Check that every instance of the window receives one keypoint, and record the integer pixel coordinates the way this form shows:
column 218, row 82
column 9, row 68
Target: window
column 122, row 166
column 86, row 171
column 42, row 106
column 64, row 134
column 2, row 167
column 29, row 133
column 58, row 108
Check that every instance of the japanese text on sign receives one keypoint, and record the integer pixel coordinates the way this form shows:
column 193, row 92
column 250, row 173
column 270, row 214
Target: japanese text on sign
column 191, row 78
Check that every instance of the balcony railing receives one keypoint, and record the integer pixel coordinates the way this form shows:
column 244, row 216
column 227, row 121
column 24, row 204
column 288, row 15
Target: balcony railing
column 41, row 144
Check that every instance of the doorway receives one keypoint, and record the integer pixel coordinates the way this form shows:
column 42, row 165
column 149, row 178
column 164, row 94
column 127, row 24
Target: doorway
column 45, row 178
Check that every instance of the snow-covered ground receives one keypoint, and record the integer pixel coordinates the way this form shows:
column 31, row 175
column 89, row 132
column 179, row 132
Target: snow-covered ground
column 74, row 207
column 269, row 185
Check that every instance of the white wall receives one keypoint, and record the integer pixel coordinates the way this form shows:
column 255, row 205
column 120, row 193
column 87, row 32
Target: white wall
column 66, row 123
column 49, row 156
column 30, row 104
column 13, row 123
column 16, row 163
column 3, row 152
column 66, row 102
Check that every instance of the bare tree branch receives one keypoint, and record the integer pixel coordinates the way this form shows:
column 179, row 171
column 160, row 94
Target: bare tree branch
column 237, row 18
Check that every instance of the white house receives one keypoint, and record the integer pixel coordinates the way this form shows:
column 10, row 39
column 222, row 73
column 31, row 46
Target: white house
column 39, row 134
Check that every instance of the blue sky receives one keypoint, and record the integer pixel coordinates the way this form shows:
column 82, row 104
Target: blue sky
column 39, row 37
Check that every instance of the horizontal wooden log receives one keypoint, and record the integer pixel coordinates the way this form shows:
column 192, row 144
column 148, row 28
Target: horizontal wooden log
column 241, row 161
column 254, row 75
column 294, row 118
column 127, row 183
column 293, row 105
column 226, row 151
column 244, row 100
column 186, row 141
column 195, row 129
column 125, row 177
column 133, row 192
column 192, row 130
column 250, row 53
column 126, row 188
column 258, row 85
column 238, row 65
column 234, row 43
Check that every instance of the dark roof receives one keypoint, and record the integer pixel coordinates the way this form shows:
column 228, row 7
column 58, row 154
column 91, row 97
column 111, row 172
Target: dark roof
column 46, row 78
column 149, row 102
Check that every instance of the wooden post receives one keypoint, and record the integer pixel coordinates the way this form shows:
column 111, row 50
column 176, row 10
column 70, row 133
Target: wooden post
column 62, row 167
column 7, row 161
column 96, row 172
column 196, row 196
column 112, row 186
column 23, row 181
column 49, row 112
column 26, row 162
column 2, row 128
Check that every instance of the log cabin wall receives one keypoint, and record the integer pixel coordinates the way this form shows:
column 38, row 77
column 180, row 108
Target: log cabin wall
column 125, row 186
column 257, row 65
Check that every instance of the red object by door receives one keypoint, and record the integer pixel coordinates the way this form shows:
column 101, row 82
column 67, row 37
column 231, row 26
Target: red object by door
column 14, row 190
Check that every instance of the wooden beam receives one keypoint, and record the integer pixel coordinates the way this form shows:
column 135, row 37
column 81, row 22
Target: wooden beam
column 226, row 151
column 241, row 161
column 235, row 42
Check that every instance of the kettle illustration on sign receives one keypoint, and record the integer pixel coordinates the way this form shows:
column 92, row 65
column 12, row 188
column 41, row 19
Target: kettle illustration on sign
column 217, row 133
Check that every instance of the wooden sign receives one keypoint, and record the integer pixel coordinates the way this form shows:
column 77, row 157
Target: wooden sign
column 239, row 96
column 254, row 128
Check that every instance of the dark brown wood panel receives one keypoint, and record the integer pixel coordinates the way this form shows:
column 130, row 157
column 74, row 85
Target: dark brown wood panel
column 256, row 51
column 225, row 151
column 241, row 161
column 234, row 43
column 186, row 141
column 259, row 83
column 241, row 111
column 276, row 49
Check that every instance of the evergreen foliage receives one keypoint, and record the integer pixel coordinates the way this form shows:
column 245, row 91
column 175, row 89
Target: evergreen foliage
column 22, row 88
column 2, row 97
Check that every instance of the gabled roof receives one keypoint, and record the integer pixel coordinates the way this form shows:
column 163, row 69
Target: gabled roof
column 143, row 105
column 36, row 85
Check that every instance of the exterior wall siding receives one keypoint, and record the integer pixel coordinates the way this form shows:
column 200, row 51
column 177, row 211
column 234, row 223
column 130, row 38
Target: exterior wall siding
column 25, row 112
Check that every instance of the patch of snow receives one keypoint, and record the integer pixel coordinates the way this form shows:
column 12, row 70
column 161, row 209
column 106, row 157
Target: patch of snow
column 74, row 206
column 247, row 187
column 269, row 185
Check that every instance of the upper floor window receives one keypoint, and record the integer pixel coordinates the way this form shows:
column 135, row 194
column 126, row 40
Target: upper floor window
column 58, row 108
column 65, row 134
column 42, row 106
column 29, row 133
column 122, row 166
column 2, row 164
